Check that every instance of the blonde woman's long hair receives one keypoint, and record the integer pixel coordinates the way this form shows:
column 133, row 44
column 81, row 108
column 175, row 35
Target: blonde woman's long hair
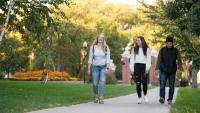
column 104, row 46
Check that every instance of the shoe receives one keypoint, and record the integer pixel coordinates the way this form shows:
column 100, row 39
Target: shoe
column 161, row 100
column 140, row 101
column 101, row 100
column 169, row 102
column 96, row 99
column 146, row 100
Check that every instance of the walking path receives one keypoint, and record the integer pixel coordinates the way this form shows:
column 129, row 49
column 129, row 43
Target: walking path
column 123, row 104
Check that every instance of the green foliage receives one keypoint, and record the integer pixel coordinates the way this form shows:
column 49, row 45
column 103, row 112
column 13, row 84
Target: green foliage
column 55, row 32
column 180, row 19
column 34, row 21
column 1, row 75
column 186, row 14
column 13, row 57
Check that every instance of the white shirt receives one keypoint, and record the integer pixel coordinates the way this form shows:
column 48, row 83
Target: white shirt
column 140, row 58
column 98, row 57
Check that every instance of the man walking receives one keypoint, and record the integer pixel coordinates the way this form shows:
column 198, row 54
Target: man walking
column 169, row 60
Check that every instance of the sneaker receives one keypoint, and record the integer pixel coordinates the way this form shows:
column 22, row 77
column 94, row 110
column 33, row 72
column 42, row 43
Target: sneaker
column 140, row 101
column 101, row 100
column 169, row 101
column 96, row 99
column 161, row 100
column 146, row 100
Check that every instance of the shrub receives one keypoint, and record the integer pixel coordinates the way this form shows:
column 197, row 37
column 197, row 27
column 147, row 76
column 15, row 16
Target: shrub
column 37, row 75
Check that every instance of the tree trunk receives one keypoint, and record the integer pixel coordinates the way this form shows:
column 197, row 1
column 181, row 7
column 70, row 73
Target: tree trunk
column 194, row 78
column 54, row 67
column 7, row 19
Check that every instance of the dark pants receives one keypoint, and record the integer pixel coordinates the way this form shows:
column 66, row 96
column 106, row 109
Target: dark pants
column 141, row 78
column 163, row 79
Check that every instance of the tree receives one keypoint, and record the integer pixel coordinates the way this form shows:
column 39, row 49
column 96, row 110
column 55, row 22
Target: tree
column 181, row 19
column 7, row 19
column 54, row 33
column 18, row 10
column 13, row 56
column 32, row 19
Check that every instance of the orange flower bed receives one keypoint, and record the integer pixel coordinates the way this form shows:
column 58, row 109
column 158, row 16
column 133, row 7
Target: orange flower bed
column 37, row 75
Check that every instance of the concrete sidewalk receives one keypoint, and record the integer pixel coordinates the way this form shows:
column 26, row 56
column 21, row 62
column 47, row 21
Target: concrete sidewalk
column 123, row 104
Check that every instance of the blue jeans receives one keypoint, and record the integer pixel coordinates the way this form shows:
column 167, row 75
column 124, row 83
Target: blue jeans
column 99, row 78
column 163, row 79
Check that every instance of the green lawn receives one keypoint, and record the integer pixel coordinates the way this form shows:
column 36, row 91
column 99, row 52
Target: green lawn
column 23, row 96
column 188, row 101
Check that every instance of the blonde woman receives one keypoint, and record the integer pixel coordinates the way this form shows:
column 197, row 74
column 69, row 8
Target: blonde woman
column 99, row 59
column 140, row 63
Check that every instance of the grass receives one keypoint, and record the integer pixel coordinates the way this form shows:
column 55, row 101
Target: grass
column 188, row 101
column 25, row 96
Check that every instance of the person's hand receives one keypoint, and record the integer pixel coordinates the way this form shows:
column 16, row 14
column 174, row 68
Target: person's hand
column 157, row 71
column 107, row 66
column 132, row 72
column 88, row 71
column 146, row 72
column 107, row 70
column 179, row 71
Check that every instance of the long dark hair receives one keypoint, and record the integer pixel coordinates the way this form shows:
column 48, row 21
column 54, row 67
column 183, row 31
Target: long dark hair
column 144, row 46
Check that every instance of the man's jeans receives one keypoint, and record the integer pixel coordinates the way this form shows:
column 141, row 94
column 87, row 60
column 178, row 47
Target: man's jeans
column 163, row 79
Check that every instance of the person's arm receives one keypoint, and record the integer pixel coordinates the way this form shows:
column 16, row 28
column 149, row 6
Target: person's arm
column 107, row 57
column 158, row 61
column 179, row 61
column 132, row 61
column 148, row 62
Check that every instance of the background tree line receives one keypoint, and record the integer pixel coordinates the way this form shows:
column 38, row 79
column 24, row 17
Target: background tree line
column 51, row 34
